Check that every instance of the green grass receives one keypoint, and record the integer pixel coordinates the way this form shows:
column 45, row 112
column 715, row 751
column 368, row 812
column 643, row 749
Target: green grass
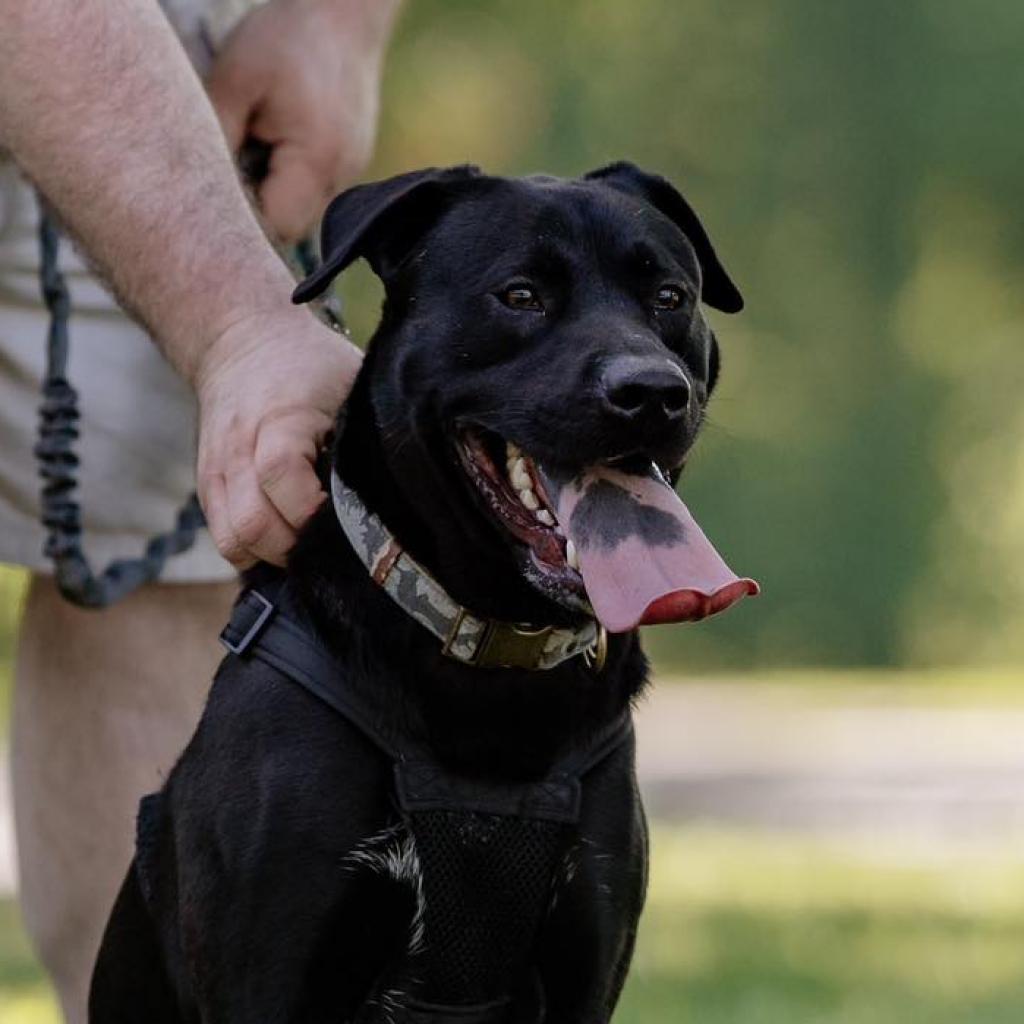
column 762, row 929
column 12, row 589
column 751, row 928
column 24, row 996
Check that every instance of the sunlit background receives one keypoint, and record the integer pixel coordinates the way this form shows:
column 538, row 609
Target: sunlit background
column 835, row 770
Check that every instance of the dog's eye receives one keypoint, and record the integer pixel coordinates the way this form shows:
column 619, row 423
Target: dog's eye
column 521, row 296
column 668, row 297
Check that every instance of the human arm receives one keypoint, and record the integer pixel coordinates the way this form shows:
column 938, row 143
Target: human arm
column 101, row 109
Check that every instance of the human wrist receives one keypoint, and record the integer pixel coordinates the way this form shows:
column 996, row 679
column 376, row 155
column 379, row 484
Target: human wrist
column 258, row 332
column 367, row 23
column 220, row 305
column 241, row 333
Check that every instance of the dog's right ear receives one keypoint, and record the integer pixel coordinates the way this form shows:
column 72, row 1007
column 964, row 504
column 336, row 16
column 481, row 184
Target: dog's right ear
column 719, row 290
column 381, row 221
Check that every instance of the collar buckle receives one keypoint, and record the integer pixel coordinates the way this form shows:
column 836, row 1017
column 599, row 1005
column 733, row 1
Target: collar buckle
column 467, row 638
column 502, row 644
column 508, row 645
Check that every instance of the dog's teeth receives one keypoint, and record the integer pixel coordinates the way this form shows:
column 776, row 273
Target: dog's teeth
column 544, row 516
column 572, row 559
column 529, row 499
column 520, row 477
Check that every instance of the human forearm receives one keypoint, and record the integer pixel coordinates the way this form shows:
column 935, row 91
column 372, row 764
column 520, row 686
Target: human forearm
column 101, row 109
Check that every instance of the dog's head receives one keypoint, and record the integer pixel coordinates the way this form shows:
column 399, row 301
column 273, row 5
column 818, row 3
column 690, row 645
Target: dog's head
column 541, row 369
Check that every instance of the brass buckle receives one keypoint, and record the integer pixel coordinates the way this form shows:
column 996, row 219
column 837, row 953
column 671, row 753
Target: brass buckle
column 506, row 645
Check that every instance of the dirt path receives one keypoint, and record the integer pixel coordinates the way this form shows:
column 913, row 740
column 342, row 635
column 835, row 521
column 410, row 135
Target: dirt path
column 864, row 760
column 851, row 759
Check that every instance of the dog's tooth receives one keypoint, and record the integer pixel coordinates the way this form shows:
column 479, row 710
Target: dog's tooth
column 529, row 499
column 520, row 478
column 572, row 559
column 544, row 516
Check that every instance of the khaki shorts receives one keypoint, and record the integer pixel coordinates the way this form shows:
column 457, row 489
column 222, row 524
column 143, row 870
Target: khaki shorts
column 137, row 427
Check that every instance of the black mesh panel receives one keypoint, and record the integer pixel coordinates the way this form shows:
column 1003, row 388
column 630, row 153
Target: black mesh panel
column 487, row 882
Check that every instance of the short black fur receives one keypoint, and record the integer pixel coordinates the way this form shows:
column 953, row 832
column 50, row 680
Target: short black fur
column 255, row 908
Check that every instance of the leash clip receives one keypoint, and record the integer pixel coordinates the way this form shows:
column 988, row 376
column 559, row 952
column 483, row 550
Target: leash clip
column 597, row 653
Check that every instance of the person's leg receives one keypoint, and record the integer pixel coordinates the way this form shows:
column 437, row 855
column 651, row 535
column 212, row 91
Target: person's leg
column 104, row 702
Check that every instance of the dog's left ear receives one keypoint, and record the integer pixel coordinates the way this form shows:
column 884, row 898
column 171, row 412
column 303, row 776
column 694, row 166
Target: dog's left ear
column 381, row 221
column 718, row 289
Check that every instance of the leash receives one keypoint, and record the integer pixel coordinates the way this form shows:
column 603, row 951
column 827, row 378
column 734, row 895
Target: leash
column 58, row 462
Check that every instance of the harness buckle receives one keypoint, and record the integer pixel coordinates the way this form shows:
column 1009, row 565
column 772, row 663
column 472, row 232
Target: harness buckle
column 240, row 620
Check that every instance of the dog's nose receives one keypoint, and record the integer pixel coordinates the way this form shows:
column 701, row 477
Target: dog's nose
column 650, row 392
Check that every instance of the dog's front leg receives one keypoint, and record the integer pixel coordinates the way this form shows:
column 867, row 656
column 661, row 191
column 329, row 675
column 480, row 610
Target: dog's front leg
column 276, row 921
column 588, row 939
column 309, row 950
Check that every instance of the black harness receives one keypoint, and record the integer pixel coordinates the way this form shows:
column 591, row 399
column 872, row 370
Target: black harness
column 490, row 856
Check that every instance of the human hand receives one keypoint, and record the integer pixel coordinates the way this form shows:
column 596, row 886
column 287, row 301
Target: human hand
column 303, row 77
column 269, row 389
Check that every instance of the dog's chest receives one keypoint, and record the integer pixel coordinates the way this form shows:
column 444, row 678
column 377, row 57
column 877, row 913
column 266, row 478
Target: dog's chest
column 485, row 862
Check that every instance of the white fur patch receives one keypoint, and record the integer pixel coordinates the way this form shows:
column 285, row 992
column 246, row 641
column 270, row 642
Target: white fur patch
column 392, row 854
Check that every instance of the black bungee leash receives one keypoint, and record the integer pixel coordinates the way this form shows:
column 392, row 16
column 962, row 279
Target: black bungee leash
column 57, row 461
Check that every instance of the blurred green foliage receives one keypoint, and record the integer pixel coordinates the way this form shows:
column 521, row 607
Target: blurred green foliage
column 857, row 167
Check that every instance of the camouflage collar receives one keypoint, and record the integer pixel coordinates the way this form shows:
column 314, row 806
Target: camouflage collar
column 486, row 643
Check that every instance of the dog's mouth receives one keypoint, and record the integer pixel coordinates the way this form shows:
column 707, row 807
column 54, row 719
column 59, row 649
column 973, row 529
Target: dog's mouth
column 613, row 539
column 514, row 494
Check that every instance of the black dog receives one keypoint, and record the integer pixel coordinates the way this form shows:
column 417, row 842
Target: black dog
column 412, row 795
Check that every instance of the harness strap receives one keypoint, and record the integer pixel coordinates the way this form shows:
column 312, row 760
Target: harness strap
column 262, row 628
column 420, row 1012
column 489, row 854
column 259, row 629
column 424, row 786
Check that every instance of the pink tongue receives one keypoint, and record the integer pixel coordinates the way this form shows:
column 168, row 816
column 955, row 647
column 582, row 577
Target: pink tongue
column 643, row 558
